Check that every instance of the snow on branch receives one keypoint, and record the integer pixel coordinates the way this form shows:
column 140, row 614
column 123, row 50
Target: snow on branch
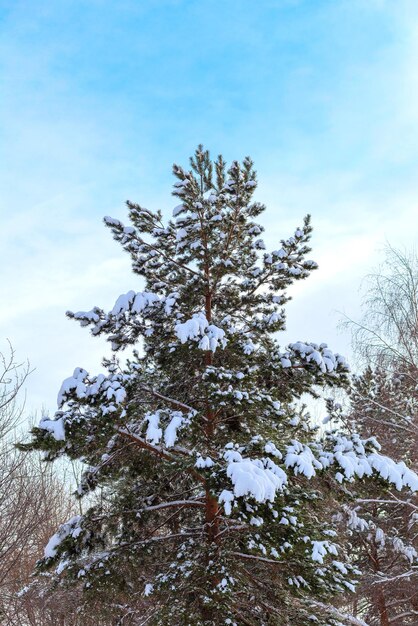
column 198, row 328
column 353, row 457
column 55, row 427
column 71, row 528
column 350, row 619
column 259, row 479
column 160, row 452
column 107, row 392
column 128, row 317
column 316, row 355
column 321, row 548
column 154, row 432
column 302, row 459
column 384, row 580
column 81, row 386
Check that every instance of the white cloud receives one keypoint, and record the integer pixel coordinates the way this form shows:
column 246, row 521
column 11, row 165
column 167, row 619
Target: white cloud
column 70, row 161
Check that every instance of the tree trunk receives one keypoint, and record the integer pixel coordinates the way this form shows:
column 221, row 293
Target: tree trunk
column 381, row 606
column 378, row 595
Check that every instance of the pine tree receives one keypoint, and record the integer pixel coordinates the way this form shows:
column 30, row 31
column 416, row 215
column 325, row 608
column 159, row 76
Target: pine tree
column 384, row 540
column 215, row 491
column 384, row 404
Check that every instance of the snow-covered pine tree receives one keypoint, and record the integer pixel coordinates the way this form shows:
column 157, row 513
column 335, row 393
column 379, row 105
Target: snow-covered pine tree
column 383, row 521
column 215, row 492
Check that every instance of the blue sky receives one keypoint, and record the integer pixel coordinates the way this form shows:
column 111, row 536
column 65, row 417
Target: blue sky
column 98, row 98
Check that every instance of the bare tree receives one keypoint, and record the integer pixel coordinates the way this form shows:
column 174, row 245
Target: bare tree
column 387, row 333
column 14, row 495
column 33, row 501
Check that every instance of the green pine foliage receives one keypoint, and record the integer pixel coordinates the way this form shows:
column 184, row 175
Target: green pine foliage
column 384, row 522
column 210, row 493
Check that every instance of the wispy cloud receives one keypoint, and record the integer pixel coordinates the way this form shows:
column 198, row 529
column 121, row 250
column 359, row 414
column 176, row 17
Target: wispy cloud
column 99, row 99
